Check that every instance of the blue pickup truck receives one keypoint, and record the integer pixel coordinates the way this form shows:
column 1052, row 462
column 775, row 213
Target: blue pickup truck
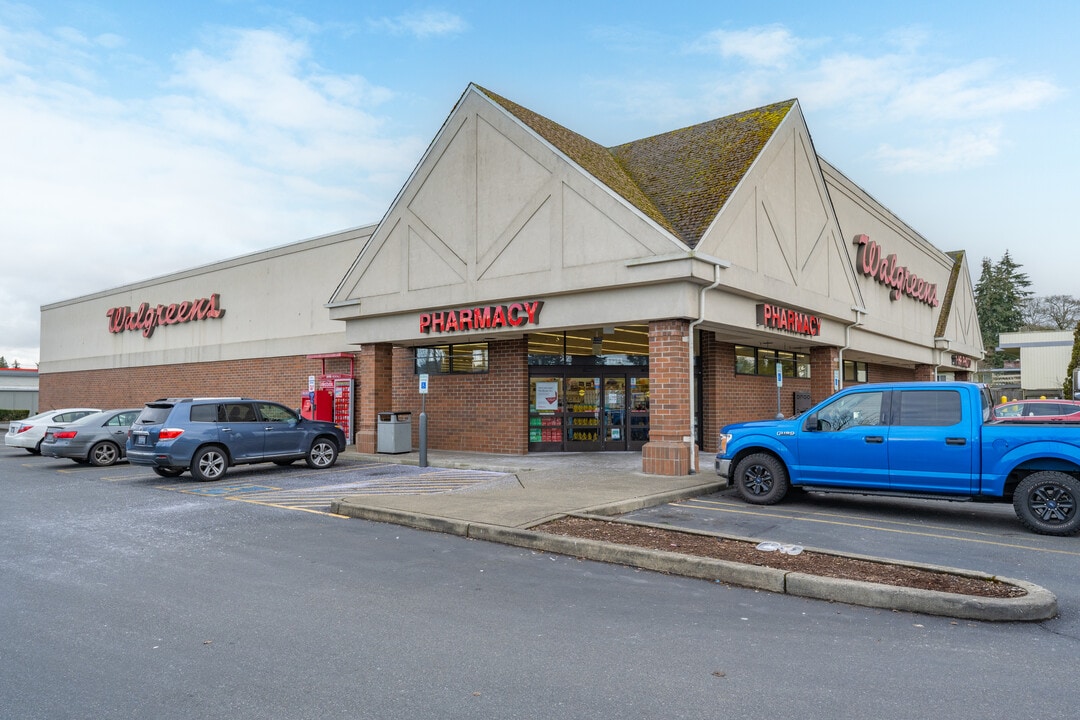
column 937, row 440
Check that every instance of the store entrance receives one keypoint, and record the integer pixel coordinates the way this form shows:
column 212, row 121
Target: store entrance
column 604, row 409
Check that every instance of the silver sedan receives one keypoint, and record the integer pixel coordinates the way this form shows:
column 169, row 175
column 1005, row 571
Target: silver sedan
column 97, row 439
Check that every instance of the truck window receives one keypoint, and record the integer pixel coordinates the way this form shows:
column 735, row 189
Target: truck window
column 933, row 408
column 850, row 411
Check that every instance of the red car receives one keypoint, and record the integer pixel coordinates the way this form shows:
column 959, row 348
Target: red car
column 1039, row 410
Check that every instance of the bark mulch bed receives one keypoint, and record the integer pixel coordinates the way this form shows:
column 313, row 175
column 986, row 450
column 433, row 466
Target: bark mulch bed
column 740, row 551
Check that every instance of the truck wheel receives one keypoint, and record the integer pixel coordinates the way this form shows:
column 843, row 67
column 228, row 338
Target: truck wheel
column 323, row 453
column 761, row 479
column 1047, row 502
column 209, row 464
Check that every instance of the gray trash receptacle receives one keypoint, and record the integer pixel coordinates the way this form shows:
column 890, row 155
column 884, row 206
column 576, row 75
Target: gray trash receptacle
column 395, row 432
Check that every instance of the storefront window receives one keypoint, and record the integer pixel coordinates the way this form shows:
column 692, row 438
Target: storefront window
column 854, row 371
column 761, row 361
column 745, row 360
column 447, row 359
column 622, row 345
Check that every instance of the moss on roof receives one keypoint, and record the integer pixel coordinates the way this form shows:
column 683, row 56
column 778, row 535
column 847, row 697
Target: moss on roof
column 950, row 292
column 680, row 179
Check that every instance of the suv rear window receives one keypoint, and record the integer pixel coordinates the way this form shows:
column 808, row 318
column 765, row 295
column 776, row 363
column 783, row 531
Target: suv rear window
column 154, row 414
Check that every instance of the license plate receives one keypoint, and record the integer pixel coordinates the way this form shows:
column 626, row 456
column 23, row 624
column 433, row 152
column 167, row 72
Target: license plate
column 140, row 439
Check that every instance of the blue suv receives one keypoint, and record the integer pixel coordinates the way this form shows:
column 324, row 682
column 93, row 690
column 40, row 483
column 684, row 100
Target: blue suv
column 209, row 435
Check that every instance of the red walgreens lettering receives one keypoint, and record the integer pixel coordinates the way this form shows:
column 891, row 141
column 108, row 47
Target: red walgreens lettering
column 148, row 318
column 885, row 270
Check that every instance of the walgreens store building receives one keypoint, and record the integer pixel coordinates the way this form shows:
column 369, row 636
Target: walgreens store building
column 555, row 295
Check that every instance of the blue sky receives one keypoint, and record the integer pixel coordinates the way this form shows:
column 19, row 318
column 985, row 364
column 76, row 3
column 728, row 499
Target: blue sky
column 137, row 139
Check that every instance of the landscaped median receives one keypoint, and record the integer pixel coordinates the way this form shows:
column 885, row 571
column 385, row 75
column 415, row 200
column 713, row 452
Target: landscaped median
column 1034, row 604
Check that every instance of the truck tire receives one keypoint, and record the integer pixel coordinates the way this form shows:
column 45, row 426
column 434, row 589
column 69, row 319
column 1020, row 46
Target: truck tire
column 1049, row 503
column 209, row 464
column 761, row 479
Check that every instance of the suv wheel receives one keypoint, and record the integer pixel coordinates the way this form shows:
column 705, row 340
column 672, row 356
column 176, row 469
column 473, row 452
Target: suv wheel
column 323, row 453
column 209, row 464
column 168, row 472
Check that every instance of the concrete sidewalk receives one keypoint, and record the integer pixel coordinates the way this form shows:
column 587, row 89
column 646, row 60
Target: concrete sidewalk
column 542, row 487
column 535, row 488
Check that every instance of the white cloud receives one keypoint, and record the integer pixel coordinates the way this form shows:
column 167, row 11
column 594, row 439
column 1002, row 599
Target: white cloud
column 429, row 23
column 959, row 151
column 970, row 91
column 896, row 85
column 770, row 46
column 101, row 192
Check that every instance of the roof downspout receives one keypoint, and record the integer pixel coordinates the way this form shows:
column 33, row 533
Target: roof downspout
column 859, row 312
column 940, row 353
column 717, row 267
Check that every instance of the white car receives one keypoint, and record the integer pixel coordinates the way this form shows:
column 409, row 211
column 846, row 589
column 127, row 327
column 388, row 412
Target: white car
column 29, row 433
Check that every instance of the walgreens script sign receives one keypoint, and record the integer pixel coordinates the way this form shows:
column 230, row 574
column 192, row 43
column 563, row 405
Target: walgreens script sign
column 872, row 261
column 148, row 318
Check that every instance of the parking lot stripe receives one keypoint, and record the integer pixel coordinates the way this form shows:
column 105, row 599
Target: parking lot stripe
column 735, row 509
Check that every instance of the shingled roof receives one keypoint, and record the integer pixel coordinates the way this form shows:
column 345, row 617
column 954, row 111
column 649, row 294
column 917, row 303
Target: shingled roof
column 679, row 179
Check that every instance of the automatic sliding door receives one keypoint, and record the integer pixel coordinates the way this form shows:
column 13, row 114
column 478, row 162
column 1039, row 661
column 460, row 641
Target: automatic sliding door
column 639, row 412
column 583, row 413
column 614, row 426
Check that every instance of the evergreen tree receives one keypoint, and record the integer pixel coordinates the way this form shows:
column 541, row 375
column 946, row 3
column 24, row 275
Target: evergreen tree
column 1067, row 388
column 3, row 362
column 1000, row 297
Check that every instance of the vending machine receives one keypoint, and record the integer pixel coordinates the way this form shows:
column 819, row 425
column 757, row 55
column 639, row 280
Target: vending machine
column 318, row 405
column 343, row 405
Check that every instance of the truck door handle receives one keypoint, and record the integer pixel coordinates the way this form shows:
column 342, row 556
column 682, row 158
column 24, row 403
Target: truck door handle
column 956, row 441
column 874, row 439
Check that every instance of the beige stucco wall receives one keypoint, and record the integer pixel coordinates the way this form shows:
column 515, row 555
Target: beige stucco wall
column 274, row 304
column 1044, row 358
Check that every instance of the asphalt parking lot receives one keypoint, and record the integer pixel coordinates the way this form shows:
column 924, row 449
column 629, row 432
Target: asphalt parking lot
column 980, row 537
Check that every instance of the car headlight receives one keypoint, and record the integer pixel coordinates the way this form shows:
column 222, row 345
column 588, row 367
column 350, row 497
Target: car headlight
column 725, row 438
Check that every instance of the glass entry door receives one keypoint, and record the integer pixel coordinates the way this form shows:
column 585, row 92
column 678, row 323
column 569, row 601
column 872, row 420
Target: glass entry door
column 583, row 411
column 614, row 411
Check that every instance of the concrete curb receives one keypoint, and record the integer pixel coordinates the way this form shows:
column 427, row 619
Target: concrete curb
column 1038, row 604
column 643, row 501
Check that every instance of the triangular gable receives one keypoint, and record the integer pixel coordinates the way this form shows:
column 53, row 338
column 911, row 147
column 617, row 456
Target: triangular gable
column 778, row 228
column 494, row 210
column 958, row 320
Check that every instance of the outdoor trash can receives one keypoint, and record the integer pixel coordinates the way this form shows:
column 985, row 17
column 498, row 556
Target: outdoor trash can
column 395, row 432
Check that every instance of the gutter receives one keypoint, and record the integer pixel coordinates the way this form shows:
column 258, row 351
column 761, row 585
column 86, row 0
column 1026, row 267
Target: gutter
column 859, row 312
column 718, row 265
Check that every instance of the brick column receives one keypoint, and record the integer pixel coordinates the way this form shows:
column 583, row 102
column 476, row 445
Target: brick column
column 717, row 382
column 925, row 373
column 374, row 394
column 667, row 453
column 823, row 361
